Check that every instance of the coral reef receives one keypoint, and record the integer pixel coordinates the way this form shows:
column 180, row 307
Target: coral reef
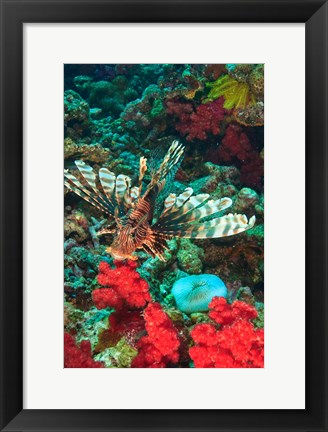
column 92, row 153
column 246, row 200
column 190, row 257
column 76, row 114
column 240, row 261
column 76, row 226
column 126, row 314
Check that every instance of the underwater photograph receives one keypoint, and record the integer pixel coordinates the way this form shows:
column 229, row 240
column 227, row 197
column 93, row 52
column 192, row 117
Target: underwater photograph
column 164, row 216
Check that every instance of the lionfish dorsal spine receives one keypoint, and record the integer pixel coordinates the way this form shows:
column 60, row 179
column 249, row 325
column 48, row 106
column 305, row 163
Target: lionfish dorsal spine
column 171, row 158
column 142, row 171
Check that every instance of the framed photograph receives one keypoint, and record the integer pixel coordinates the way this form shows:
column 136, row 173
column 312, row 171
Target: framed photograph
column 163, row 215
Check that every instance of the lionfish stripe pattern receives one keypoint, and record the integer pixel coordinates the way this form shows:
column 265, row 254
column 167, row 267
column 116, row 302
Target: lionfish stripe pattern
column 132, row 212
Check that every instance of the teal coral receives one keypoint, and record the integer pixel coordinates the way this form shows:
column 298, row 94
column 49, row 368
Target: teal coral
column 194, row 293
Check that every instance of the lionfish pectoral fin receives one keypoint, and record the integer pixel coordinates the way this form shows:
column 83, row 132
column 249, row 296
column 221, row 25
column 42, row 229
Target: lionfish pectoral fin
column 224, row 226
column 155, row 244
column 122, row 193
column 74, row 184
column 106, row 230
column 195, row 208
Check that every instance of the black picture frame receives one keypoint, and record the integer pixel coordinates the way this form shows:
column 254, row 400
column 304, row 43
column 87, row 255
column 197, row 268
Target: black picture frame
column 314, row 13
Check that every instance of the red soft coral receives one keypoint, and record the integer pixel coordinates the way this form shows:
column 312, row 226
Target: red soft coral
column 235, row 144
column 161, row 346
column 220, row 311
column 236, row 344
column 78, row 357
column 197, row 123
column 223, row 313
column 125, row 287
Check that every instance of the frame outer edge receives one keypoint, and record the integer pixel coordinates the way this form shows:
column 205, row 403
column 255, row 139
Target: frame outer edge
column 316, row 229
column 11, row 214
column 11, row 220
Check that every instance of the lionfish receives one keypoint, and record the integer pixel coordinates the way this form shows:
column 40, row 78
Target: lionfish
column 146, row 220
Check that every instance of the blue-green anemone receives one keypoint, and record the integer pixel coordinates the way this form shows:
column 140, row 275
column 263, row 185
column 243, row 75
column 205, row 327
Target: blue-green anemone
column 194, row 293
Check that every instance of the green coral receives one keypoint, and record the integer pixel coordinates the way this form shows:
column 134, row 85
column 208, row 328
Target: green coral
column 119, row 356
column 259, row 321
column 157, row 109
column 94, row 323
column 245, row 294
column 87, row 325
column 200, row 317
column 152, row 269
column 190, row 257
column 256, row 232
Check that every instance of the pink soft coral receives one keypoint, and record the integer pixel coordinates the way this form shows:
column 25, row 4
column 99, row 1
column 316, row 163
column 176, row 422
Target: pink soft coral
column 236, row 344
column 197, row 123
column 160, row 347
column 237, row 148
column 125, row 287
